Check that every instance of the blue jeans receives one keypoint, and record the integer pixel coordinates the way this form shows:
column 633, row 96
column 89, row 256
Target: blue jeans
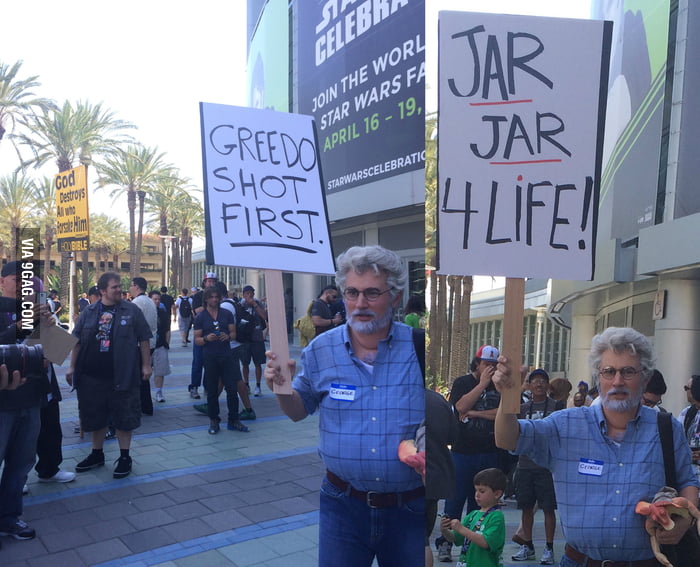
column 197, row 366
column 566, row 562
column 466, row 466
column 351, row 534
column 19, row 430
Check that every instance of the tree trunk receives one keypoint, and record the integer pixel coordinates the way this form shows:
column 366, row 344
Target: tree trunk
column 131, row 203
column 48, row 243
column 136, row 270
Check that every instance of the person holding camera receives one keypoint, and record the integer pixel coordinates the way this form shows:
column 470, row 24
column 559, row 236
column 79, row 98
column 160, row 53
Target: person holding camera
column 20, row 407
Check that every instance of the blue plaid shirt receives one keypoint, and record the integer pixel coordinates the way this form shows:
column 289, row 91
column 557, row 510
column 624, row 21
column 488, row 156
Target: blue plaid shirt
column 598, row 482
column 364, row 415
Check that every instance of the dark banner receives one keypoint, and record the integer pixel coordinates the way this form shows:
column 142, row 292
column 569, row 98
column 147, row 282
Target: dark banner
column 362, row 77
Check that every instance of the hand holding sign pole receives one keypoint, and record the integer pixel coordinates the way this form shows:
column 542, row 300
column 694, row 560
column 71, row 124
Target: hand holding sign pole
column 264, row 202
column 521, row 122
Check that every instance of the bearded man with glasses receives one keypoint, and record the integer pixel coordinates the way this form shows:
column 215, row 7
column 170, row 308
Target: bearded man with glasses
column 365, row 379
column 604, row 458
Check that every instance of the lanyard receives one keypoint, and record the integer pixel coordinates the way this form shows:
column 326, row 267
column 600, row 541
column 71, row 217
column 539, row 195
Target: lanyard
column 544, row 412
column 477, row 527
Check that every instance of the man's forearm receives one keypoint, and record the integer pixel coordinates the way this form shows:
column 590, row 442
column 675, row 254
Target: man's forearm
column 507, row 430
column 292, row 406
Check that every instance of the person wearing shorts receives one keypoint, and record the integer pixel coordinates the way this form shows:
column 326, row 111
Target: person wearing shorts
column 159, row 356
column 107, row 365
column 534, row 484
column 251, row 326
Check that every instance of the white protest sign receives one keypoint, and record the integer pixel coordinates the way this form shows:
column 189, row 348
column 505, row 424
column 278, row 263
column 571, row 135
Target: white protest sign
column 520, row 136
column 263, row 196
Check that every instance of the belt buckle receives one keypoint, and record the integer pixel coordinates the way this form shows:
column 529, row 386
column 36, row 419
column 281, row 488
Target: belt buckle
column 370, row 494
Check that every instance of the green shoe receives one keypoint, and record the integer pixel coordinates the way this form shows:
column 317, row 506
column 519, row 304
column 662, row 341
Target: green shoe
column 247, row 414
column 202, row 408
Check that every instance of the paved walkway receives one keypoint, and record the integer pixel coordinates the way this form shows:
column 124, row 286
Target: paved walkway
column 232, row 499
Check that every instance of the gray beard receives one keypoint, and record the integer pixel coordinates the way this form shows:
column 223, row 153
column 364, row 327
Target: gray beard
column 369, row 327
column 621, row 405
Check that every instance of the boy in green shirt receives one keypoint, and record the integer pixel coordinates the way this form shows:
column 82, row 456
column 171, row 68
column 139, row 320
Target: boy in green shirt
column 482, row 534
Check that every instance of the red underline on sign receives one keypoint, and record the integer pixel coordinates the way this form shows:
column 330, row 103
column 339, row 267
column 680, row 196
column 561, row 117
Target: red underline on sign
column 500, row 102
column 524, row 162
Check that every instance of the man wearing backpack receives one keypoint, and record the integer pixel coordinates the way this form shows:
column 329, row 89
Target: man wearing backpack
column 249, row 332
column 182, row 313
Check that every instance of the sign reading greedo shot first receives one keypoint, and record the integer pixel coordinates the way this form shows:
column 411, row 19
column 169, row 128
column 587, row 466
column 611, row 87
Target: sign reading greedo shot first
column 521, row 121
column 263, row 197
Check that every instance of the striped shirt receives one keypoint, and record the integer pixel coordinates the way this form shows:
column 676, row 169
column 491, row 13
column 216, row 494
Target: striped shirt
column 598, row 482
column 365, row 413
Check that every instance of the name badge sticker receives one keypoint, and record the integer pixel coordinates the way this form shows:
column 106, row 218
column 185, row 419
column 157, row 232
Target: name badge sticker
column 590, row 467
column 342, row 392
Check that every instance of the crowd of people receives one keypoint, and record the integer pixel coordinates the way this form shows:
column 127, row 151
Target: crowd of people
column 584, row 457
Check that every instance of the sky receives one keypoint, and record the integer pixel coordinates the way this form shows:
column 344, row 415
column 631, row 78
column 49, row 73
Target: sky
column 153, row 61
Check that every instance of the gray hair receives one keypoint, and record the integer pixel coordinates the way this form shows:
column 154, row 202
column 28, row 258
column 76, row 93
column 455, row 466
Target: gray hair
column 376, row 259
column 620, row 340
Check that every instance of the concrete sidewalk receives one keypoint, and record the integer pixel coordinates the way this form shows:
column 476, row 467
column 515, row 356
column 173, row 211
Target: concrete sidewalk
column 237, row 499
column 231, row 499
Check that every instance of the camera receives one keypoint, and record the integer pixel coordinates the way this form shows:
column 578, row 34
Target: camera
column 29, row 360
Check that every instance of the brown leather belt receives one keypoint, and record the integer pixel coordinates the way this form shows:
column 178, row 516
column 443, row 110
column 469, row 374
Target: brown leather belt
column 582, row 559
column 376, row 499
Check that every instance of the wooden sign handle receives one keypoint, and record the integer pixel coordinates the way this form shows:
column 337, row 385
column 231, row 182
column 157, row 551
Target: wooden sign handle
column 277, row 326
column 514, row 309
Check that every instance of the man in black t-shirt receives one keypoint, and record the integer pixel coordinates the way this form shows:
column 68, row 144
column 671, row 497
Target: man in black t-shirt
column 209, row 280
column 214, row 328
column 112, row 356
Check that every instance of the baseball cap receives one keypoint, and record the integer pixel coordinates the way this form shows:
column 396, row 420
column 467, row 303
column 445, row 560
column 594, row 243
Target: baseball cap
column 487, row 353
column 538, row 372
column 94, row 290
column 249, row 288
column 210, row 276
column 10, row 268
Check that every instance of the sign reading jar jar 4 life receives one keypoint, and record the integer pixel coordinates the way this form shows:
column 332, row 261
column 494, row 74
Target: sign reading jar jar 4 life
column 72, row 217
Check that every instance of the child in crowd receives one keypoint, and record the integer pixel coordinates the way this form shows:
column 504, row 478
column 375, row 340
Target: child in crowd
column 482, row 533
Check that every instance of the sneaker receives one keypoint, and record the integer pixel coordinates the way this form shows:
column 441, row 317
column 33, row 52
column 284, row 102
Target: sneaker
column 60, row 476
column 92, row 461
column 247, row 414
column 25, row 490
column 214, row 427
column 237, row 426
column 258, row 392
column 547, row 557
column 525, row 554
column 444, row 550
column 159, row 397
column 122, row 468
column 194, row 394
column 202, row 408
column 111, row 434
column 18, row 530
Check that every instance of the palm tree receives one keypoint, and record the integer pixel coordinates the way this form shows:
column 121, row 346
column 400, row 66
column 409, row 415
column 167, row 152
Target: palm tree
column 45, row 206
column 167, row 196
column 68, row 134
column 188, row 222
column 16, row 96
column 134, row 171
column 16, row 206
column 108, row 239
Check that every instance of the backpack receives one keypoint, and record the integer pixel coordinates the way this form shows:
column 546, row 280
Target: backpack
column 185, row 308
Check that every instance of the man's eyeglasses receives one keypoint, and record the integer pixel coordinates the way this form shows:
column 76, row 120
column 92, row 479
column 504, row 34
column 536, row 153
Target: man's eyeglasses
column 650, row 403
column 627, row 373
column 371, row 293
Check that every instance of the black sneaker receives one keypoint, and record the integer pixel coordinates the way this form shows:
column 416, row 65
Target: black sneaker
column 111, row 434
column 18, row 530
column 123, row 467
column 92, row 461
